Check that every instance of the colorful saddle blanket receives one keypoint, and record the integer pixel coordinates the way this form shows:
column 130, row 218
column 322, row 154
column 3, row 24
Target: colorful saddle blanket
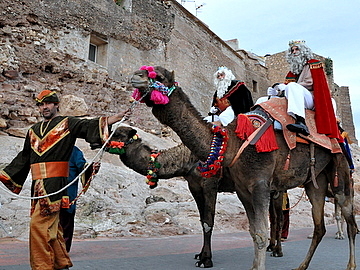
column 256, row 128
column 277, row 108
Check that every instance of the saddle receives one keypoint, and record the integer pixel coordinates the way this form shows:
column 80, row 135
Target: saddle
column 275, row 108
column 264, row 138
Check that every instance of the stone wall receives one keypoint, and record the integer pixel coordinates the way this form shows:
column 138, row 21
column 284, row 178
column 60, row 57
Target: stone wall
column 45, row 44
column 342, row 96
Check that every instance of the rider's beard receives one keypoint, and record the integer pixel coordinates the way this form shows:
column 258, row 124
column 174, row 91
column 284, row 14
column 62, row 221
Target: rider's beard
column 297, row 63
column 222, row 86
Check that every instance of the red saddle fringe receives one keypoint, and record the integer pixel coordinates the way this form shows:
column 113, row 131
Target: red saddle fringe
column 267, row 141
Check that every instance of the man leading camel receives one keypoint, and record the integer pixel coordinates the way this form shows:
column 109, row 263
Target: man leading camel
column 46, row 152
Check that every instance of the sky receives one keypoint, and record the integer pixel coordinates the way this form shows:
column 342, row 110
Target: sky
column 330, row 28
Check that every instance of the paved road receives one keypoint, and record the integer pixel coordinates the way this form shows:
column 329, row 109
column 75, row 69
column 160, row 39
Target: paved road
column 230, row 251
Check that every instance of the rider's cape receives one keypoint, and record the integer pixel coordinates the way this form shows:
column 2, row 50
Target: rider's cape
column 324, row 113
column 238, row 96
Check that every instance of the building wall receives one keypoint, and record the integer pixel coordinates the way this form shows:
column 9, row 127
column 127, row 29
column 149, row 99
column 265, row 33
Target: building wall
column 45, row 44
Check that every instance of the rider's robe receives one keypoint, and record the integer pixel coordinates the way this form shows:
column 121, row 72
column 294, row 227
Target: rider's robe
column 46, row 152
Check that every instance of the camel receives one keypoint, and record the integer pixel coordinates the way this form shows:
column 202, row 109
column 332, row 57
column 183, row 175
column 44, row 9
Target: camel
column 276, row 222
column 178, row 161
column 255, row 174
column 339, row 217
column 136, row 156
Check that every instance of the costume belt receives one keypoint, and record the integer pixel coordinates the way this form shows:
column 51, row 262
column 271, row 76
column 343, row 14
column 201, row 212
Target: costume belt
column 49, row 169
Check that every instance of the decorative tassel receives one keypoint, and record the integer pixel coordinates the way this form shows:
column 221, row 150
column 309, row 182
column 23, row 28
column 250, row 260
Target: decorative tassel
column 267, row 141
column 287, row 163
column 115, row 147
column 158, row 97
column 65, row 202
column 216, row 156
column 336, row 180
column 153, row 168
column 244, row 128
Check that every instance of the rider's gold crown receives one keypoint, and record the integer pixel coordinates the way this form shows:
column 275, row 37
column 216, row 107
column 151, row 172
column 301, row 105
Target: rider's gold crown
column 296, row 42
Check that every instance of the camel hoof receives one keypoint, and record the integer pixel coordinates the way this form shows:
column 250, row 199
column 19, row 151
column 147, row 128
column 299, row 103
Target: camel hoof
column 339, row 236
column 205, row 263
column 277, row 254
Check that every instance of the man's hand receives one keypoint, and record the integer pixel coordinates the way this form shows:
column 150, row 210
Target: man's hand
column 117, row 117
column 280, row 87
column 271, row 92
column 214, row 110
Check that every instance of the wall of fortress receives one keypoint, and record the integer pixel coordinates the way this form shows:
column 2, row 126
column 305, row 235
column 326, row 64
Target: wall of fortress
column 46, row 44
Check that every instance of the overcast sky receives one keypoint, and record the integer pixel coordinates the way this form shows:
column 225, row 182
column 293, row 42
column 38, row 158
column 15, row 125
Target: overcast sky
column 330, row 28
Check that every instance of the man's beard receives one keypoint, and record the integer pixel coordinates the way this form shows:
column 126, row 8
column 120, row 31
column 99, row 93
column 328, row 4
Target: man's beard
column 297, row 63
column 222, row 86
column 48, row 115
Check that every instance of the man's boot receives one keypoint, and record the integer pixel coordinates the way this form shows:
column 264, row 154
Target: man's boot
column 299, row 126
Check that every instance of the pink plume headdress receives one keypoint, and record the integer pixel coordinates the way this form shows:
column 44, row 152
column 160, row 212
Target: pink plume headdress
column 151, row 71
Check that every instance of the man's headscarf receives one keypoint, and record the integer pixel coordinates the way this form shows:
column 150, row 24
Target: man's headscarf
column 297, row 62
column 47, row 96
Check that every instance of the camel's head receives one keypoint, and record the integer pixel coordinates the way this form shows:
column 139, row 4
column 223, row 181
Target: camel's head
column 124, row 134
column 153, row 85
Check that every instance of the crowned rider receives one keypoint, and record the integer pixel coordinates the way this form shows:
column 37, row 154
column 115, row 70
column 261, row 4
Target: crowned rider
column 306, row 87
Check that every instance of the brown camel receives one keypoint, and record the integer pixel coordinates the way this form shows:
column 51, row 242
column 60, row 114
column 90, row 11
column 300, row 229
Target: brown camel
column 256, row 174
column 178, row 161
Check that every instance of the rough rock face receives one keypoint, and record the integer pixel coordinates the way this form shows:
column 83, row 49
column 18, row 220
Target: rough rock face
column 119, row 203
column 33, row 58
column 72, row 105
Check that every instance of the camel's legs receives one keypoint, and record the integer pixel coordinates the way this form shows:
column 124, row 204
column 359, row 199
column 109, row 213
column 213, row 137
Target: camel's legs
column 352, row 231
column 204, row 192
column 276, row 223
column 256, row 203
column 347, row 210
column 317, row 199
column 343, row 194
column 340, row 221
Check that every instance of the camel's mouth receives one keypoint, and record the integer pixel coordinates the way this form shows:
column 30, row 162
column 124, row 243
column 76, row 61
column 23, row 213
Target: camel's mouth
column 139, row 82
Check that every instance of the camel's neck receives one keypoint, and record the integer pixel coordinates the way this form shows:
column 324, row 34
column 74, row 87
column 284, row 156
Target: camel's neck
column 175, row 161
column 186, row 121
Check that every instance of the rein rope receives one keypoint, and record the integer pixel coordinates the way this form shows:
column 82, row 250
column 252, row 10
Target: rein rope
column 302, row 195
column 98, row 156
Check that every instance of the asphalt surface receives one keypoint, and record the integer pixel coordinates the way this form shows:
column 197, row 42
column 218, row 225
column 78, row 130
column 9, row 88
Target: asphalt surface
column 230, row 251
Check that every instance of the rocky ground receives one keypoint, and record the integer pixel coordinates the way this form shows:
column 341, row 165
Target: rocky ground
column 119, row 203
